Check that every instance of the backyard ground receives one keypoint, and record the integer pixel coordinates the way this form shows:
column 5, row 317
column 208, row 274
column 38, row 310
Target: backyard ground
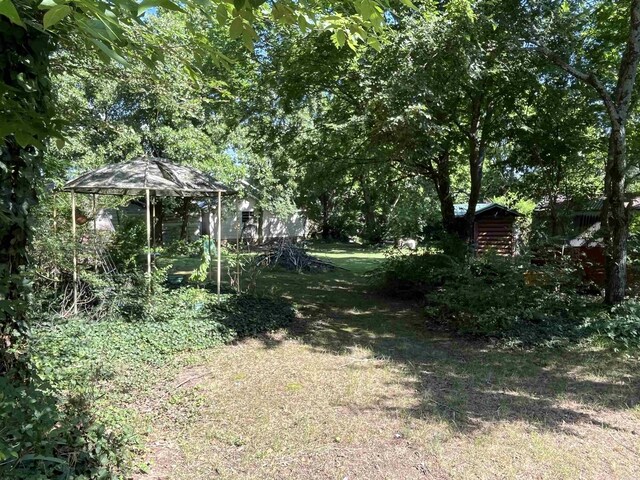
column 359, row 389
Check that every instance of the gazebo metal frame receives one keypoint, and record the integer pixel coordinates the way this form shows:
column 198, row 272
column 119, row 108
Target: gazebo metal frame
column 148, row 176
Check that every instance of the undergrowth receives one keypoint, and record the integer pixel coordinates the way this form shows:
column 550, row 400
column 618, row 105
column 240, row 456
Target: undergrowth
column 67, row 423
column 511, row 299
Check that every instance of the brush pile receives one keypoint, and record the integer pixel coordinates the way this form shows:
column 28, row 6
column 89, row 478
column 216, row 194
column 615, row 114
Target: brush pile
column 292, row 257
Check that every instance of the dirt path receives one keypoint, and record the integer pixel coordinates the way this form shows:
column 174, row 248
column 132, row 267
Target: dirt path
column 357, row 389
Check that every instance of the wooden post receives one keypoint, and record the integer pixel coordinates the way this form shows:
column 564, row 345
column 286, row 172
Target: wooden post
column 239, row 222
column 210, row 240
column 219, row 239
column 153, row 223
column 55, row 214
column 148, row 240
column 95, row 234
column 75, row 253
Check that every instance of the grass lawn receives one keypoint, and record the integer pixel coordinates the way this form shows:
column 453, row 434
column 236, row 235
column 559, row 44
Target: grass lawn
column 358, row 389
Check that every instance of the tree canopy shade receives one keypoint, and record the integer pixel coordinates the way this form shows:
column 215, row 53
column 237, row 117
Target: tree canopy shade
column 134, row 178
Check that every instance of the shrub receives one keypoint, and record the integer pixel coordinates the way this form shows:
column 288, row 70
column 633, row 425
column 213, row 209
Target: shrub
column 250, row 315
column 412, row 276
column 183, row 248
column 128, row 243
column 508, row 298
column 73, row 354
column 619, row 327
column 45, row 436
column 511, row 299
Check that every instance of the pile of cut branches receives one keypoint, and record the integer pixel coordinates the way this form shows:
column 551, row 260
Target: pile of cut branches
column 292, row 257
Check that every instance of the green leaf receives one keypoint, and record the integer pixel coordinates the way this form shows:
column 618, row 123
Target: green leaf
column 302, row 23
column 166, row 4
column 54, row 15
column 109, row 52
column 374, row 43
column 339, row 38
column 236, row 28
column 238, row 4
column 24, row 139
column 8, row 9
column 222, row 14
column 409, row 4
column 248, row 41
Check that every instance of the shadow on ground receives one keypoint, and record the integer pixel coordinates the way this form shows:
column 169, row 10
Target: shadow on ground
column 466, row 383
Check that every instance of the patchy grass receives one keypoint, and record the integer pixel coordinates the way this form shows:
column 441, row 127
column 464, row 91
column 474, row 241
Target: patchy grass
column 359, row 389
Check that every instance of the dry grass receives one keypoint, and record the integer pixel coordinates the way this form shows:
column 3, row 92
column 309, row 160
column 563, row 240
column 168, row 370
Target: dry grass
column 358, row 390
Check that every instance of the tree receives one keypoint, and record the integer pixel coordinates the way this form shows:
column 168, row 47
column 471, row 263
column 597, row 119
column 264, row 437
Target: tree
column 31, row 32
column 615, row 91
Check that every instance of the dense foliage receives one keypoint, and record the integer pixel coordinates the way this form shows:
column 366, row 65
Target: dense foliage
column 512, row 300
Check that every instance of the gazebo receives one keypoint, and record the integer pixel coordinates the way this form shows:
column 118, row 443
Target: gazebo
column 150, row 177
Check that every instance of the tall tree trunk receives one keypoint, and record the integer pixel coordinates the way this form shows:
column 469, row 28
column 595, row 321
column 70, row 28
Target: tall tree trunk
column 324, row 202
column 439, row 172
column 24, row 64
column 477, row 134
column 370, row 233
column 615, row 217
column 476, row 161
column 442, row 181
column 260, row 224
column 18, row 195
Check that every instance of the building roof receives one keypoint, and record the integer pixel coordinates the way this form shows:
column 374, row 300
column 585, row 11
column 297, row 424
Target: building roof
column 158, row 175
column 590, row 205
column 460, row 209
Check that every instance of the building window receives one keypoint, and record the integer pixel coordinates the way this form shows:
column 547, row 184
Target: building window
column 247, row 216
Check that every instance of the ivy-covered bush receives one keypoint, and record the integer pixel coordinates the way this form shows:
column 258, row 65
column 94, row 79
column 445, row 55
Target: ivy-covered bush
column 46, row 436
column 512, row 299
column 414, row 275
column 249, row 314
column 169, row 322
column 619, row 326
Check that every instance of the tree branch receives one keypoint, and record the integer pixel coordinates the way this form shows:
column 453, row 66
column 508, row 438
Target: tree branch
column 589, row 78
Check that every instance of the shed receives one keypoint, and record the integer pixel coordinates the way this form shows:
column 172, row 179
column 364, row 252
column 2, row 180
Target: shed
column 576, row 225
column 493, row 227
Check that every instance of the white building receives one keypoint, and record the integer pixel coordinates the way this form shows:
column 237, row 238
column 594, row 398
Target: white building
column 242, row 219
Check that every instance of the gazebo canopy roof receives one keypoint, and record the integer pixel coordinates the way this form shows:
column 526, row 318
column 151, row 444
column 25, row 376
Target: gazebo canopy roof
column 158, row 175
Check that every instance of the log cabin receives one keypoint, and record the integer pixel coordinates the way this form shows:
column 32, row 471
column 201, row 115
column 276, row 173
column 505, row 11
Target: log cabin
column 494, row 227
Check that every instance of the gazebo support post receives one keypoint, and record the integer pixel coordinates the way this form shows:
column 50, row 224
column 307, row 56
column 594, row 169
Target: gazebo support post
column 153, row 223
column 148, row 240
column 219, row 239
column 95, row 233
column 75, row 253
column 210, row 239
column 238, row 250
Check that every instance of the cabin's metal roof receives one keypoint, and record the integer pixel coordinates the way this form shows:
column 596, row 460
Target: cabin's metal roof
column 158, row 175
column 460, row 209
